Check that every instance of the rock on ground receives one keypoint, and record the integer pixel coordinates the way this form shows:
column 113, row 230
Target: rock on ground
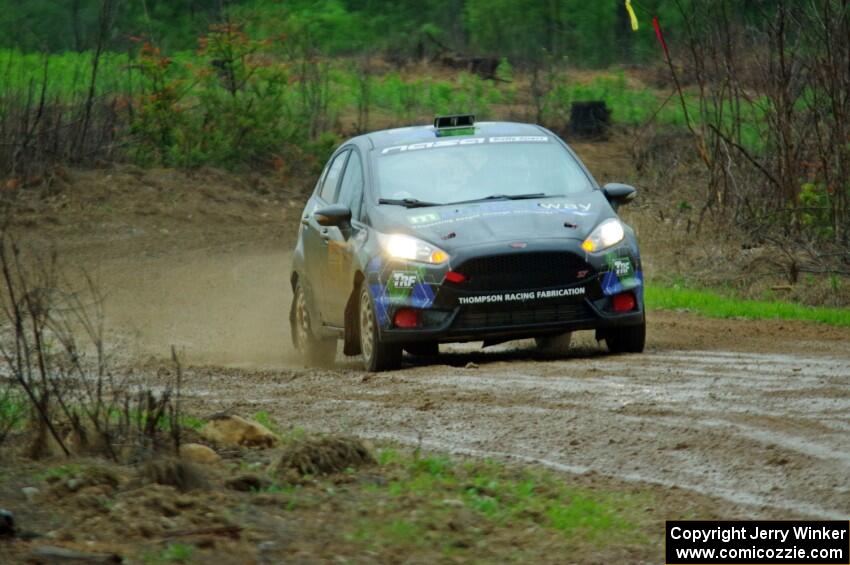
column 198, row 453
column 236, row 431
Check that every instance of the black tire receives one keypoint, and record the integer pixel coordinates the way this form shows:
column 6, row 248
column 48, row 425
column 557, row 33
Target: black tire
column 554, row 344
column 423, row 348
column 377, row 355
column 628, row 339
column 315, row 350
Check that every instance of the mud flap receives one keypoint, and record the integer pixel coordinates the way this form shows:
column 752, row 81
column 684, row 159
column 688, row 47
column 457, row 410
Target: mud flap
column 351, row 339
column 293, row 335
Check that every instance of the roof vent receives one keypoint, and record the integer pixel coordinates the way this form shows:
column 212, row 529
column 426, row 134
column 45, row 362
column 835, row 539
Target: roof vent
column 457, row 121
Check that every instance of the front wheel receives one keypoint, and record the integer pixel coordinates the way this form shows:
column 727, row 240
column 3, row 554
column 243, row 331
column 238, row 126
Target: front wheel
column 315, row 350
column 377, row 355
column 628, row 339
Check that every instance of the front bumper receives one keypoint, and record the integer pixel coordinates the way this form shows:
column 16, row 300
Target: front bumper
column 548, row 288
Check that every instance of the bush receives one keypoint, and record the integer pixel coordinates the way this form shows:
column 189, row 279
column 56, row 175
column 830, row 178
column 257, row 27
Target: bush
column 72, row 401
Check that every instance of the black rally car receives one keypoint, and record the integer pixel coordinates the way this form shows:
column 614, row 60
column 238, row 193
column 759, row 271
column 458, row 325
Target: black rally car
column 462, row 231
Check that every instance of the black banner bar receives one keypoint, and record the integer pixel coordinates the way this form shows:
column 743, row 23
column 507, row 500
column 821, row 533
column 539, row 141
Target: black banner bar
column 753, row 542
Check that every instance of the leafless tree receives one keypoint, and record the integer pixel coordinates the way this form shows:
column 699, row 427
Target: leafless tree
column 772, row 121
column 52, row 345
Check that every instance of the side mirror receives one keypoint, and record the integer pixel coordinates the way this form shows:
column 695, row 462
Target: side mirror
column 335, row 215
column 618, row 193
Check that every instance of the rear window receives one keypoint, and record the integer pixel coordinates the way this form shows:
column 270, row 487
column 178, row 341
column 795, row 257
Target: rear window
column 455, row 169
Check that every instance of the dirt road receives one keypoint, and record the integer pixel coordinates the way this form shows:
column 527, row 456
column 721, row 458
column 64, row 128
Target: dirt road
column 753, row 413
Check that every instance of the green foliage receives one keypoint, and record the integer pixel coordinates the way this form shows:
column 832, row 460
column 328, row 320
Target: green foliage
column 57, row 25
column 264, row 418
column 387, row 456
column 496, row 495
column 583, row 514
column 587, row 33
column 816, row 208
column 159, row 117
column 717, row 306
column 226, row 105
column 241, row 102
column 435, row 466
column 505, row 71
column 13, row 411
column 174, row 553
column 629, row 105
column 68, row 73
column 60, row 472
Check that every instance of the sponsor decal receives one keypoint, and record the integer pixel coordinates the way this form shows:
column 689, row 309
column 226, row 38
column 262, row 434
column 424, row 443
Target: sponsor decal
column 397, row 288
column 564, row 206
column 520, row 139
column 423, row 218
column 403, row 279
column 466, row 141
column 621, row 275
column 493, row 209
column 622, row 267
column 521, row 296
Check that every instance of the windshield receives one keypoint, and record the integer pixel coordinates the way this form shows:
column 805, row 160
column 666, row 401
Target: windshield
column 456, row 170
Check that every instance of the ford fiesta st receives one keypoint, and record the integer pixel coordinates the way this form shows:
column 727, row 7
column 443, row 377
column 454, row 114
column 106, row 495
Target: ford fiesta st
column 462, row 231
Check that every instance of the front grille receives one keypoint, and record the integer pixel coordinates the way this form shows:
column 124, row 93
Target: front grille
column 517, row 271
column 516, row 315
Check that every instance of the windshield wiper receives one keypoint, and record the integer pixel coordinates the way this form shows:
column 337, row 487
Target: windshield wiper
column 407, row 202
column 505, row 197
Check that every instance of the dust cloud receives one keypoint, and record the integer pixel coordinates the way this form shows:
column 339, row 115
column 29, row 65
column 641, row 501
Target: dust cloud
column 217, row 308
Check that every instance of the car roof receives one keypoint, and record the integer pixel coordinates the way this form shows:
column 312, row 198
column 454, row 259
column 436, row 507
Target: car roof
column 418, row 134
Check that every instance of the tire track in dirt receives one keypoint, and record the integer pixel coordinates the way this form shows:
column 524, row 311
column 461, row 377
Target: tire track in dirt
column 705, row 421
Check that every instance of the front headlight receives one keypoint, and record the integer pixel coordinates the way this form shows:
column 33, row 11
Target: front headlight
column 409, row 248
column 608, row 233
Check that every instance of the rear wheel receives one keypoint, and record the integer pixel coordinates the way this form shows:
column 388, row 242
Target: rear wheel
column 554, row 344
column 628, row 339
column 315, row 350
column 423, row 348
column 377, row 355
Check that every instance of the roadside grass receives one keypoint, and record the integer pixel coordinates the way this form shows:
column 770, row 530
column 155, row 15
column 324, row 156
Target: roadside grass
column 437, row 502
column 403, row 98
column 174, row 553
column 264, row 418
column 430, row 506
column 163, row 421
column 715, row 305
column 390, row 98
column 64, row 471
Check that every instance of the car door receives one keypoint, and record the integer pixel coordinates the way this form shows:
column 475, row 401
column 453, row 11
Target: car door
column 316, row 238
column 341, row 247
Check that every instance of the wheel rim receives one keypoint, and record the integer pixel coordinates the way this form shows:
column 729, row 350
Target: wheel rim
column 302, row 321
column 367, row 325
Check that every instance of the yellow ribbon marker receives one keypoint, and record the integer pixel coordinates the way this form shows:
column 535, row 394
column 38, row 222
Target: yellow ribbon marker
column 632, row 15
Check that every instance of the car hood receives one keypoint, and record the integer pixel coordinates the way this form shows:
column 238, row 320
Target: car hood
column 456, row 226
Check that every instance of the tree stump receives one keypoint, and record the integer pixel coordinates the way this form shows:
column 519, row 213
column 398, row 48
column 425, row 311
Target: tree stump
column 590, row 119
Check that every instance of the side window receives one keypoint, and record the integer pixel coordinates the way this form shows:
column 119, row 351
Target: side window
column 328, row 191
column 351, row 189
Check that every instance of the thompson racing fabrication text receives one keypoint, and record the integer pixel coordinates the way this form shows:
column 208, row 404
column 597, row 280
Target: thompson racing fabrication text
column 521, row 296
